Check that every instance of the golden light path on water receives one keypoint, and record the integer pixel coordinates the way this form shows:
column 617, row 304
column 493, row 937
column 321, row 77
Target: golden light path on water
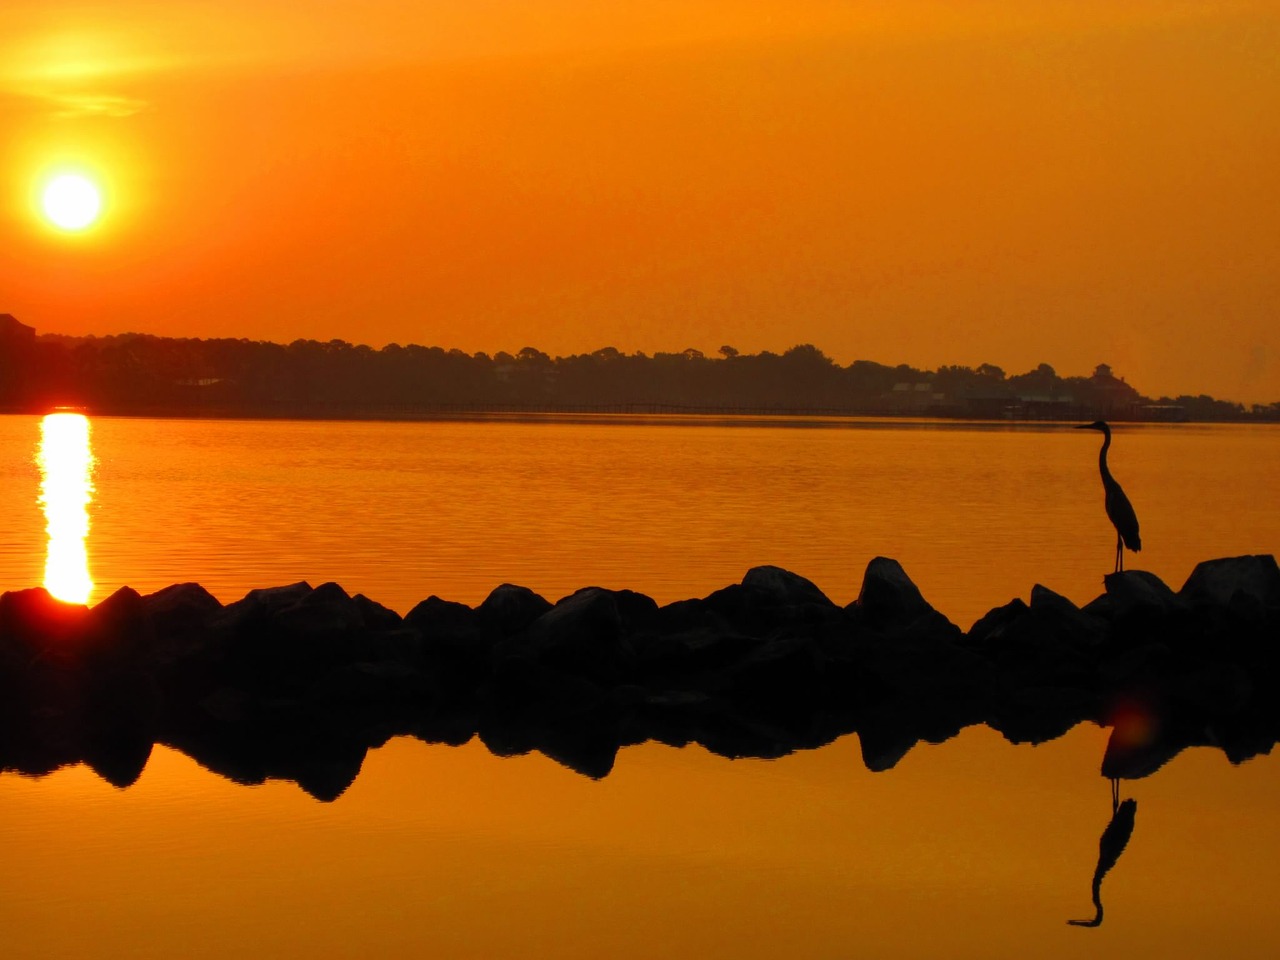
column 66, row 487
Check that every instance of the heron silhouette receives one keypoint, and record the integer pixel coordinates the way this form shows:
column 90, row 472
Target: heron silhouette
column 1112, row 843
column 1119, row 509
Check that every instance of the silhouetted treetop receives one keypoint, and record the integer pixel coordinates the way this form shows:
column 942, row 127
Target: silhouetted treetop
column 142, row 373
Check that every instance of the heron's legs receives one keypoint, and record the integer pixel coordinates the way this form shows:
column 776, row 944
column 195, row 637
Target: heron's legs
column 1119, row 553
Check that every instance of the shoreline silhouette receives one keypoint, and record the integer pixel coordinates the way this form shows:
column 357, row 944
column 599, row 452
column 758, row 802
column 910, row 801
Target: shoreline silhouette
column 136, row 374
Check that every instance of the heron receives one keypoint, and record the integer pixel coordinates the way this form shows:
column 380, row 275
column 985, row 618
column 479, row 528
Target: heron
column 1119, row 509
column 1112, row 843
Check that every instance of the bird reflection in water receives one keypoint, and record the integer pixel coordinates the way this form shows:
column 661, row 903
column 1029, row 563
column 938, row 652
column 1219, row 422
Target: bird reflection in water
column 1112, row 843
column 66, row 487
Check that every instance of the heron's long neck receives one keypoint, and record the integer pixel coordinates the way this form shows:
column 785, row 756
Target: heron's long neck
column 1097, row 902
column 1102, row 454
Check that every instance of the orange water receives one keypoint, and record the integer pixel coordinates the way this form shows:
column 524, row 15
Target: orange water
column 400, row 511
column 972, row 848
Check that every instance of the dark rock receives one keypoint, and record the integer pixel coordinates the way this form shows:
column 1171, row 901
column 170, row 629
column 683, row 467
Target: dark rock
column 689, row 657
column 782, row 588
column 510, row 609
column 1038, row 714
column 531, row 706
column 995, row 622
column 590, row 748
column 1141, row 745
column 889, row 601
column 297, row 683
column 1137, row 593
column 1074, row 622
column 582, row 634
column 119, row 629
column 381, row 682
column 181, row 609
column 454, row 640
column 326, row 610
column 1219, row 582
column 118, row 759
column 281, row 640
column 768, row 598
column 33, row 623
column 1049, row 644
column 734, row 606
column 446, row 619
column 779, row 686
column 375, row 616
column 403, row 645
column 783, row 676
column 690, row 616
column 257, row 606
column 526, row 686
column 884, row 739
column 637, row 611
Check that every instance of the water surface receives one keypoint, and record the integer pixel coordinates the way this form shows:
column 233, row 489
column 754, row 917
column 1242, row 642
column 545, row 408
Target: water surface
column 400, row 511
column 971, row 848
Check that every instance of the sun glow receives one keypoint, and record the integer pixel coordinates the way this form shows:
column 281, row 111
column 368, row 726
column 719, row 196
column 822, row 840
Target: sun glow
column 66, row 487
column 71, row 201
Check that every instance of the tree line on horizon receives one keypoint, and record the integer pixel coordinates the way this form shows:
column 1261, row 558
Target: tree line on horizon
column 146, row 374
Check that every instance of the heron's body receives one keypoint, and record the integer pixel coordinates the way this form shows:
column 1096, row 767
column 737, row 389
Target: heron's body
column 1119, row 509
column 1114, row 839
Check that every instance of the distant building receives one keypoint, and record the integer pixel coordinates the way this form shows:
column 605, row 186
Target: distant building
column 916, row 397
column 1111, row 396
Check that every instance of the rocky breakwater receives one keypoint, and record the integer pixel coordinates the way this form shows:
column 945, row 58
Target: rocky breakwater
column 298, row 682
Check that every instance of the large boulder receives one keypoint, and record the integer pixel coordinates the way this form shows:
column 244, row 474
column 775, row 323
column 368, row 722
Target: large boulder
column 1049, row 643
column 1139, row 594
column 580, row 635
column 118, row 631
column 770, row 598
column 326, row 611
column 782, row 588
column 446, row 621
column 33, row 623
column 180, row 615
column 689, row 658
column 454, row 641
column 889, row 602
column 282, row 639
column 1249, row 579
column 375, row 616
column 510, row 609
column 257, row 607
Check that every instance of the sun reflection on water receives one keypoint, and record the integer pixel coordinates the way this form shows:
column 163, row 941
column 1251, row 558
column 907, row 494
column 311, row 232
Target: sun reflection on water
column 66, row 487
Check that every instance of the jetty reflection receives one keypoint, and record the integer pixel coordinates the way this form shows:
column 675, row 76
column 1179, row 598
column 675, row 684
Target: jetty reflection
column 298, row 683
column 66, row 488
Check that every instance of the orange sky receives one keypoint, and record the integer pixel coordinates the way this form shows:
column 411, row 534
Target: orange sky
column 896, row 180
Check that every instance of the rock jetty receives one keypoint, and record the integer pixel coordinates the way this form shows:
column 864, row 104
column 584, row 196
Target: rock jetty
column 299, row 682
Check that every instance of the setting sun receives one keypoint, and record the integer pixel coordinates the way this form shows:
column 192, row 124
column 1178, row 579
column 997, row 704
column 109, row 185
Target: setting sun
column 71, row 201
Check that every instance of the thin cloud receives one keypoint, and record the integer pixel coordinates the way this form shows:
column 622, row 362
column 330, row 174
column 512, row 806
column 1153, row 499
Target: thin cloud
column 73, row 106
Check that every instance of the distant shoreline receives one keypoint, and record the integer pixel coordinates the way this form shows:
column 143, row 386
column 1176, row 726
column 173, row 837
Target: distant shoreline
column 144, row 375
column 622, row 413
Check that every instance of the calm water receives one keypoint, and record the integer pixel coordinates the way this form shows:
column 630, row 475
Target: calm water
column 969, row 848
column 400, row 511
